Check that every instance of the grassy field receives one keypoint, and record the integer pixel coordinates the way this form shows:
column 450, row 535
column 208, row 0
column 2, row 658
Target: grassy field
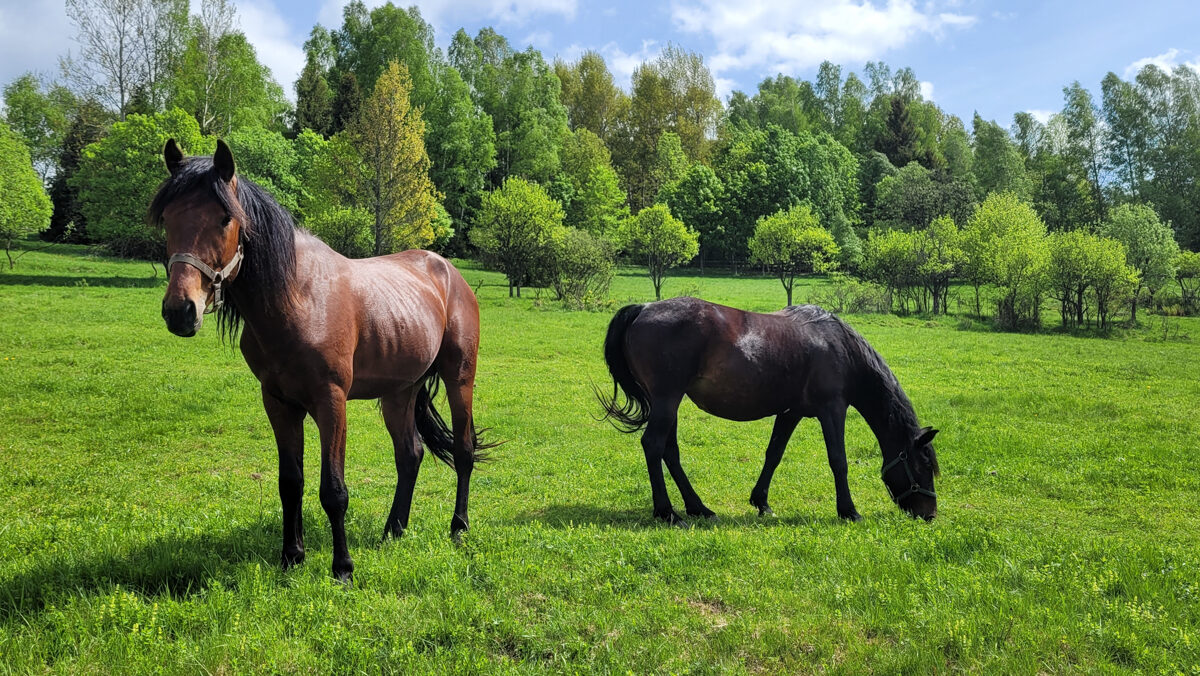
column 141, row 524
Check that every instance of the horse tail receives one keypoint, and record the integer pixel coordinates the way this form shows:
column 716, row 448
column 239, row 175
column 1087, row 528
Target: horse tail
column 635, row 412
column 433, row 430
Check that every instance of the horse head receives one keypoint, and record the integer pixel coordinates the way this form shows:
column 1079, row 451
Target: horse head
column 198, row 209
column 908, row 472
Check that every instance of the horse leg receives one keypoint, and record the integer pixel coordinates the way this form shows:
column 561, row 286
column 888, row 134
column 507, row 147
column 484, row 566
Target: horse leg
column 695, row 507
column 663, row 416
column 833, row 426
column 288, row 423
column 330, row 415
column 398, row 416
column 456, row 367
column 785, row 424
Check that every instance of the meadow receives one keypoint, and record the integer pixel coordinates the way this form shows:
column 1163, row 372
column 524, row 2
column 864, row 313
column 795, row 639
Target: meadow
column 140, row 529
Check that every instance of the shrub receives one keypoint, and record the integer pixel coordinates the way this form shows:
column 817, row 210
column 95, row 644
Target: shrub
column 583, row 268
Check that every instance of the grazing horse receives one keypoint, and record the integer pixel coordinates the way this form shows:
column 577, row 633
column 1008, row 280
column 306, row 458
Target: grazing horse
column 317, row 329
column 797, row 363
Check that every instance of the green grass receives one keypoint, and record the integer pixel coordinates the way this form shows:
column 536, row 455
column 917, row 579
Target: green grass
column 140, row 529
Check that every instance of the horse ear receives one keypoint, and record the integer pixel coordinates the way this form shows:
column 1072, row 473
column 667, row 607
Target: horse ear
column 172, row 156
column 223, row 161
column 925, row 437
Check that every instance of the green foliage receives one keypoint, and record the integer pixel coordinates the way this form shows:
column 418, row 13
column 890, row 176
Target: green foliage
column 1006, row 245
column 268, row 159
column 24, row 206
column 793, row 242
column 911, row 198
column 41, row 115
column 119, row 174
column 597, row 203
column 664, row 241
column 314, row 100
column 1150, row 244
column 232, row 92
column 697, row 200
column 390, row 167
column 670, row 162
column 1187, row 275
column 347, row 230
column 592, row 100
column 583, row 268
column 516, row 227
column 1087, row 268
column 999, row 166
column 890, row 260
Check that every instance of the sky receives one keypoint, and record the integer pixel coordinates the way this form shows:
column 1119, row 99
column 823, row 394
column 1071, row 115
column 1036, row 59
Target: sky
column 987, row 56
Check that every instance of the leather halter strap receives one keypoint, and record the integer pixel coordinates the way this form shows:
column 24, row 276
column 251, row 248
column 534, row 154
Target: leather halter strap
column 914, row 487
column 217, row 277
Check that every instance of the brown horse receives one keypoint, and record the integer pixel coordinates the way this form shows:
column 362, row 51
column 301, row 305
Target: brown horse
column 318, row 329
column 797, row 363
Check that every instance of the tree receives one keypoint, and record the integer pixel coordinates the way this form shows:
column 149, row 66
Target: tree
column 41, row 115
column 998, row 164
column 596, row 202
column 911, row 198
column 516, row 226
column 1150, row 247
column 89, row 121
column 899, row 139
column 593, row 102
column 119, row 175
column 939, row 256
column 24, row 207
column 1112, row 279
column 314, row 100
column 793, row 242
column 890, row 260
column 1006, row 245
column 127, row 48
column 1085, row 141
column 663, row 239
column 268, row 159
column 1187, row 274
column 393, row 170
column 222, row 83
column 696, row 200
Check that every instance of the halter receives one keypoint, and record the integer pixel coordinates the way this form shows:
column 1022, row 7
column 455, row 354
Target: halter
column 217, row 277
column 914, row 487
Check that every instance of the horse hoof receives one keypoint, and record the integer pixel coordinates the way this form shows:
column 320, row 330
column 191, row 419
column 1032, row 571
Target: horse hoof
column 704, row 513
column 765, row 511
column 392, row 534
column 345, row 579
column 673, row 519
column 852, row 516
column 292, row 559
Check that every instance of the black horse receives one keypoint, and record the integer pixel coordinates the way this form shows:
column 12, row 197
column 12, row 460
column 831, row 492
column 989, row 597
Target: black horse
column 797, row 363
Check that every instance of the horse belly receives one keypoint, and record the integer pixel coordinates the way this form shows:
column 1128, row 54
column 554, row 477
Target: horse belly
column 399, row 339
column 739, row 397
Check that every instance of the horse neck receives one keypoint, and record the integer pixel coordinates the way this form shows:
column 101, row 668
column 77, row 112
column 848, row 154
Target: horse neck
column 885, row 407
column 260, row 310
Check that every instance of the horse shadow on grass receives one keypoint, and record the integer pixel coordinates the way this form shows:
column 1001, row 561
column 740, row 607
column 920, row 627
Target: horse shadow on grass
column 566, row 515
column 176, row 565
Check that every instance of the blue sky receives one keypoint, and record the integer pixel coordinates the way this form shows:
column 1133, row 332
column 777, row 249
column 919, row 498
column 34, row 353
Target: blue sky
column 993, row 57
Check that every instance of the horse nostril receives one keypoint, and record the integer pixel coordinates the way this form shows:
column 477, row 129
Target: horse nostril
column 189, row 310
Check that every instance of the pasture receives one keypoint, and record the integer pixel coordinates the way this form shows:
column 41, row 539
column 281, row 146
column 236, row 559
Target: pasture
column 141, row 521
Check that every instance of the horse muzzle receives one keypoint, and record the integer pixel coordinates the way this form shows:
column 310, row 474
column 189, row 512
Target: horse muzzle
column 181, row 317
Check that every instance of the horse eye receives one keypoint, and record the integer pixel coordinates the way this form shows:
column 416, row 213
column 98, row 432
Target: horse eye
column 225, row 223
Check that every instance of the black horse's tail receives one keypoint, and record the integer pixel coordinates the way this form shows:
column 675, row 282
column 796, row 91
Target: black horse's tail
column 635, row 412
column 434, row 431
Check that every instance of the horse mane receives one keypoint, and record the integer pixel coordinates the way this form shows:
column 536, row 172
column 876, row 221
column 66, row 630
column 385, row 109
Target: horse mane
column 268, row 238
column 899, row 408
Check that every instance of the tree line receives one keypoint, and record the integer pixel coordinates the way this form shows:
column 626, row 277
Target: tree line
column 548, row 169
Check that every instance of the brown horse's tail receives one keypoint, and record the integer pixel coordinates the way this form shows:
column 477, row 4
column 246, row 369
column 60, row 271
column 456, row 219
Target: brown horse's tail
column 635, row 412
column 435, row 433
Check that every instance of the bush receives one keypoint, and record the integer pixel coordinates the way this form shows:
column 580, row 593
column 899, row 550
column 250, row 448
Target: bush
column 119, row 174
column 583, row 268
column 845, row 294
column 24, row 206
column 345, row 229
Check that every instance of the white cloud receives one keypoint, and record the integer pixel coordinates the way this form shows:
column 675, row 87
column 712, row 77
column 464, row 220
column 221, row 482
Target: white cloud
column 768, row 36
column 1168, row 60
column 622, row 63
column 32, row 37
column 1040, row 115
column 444, row 14
column 926, row 90
column 272, row 38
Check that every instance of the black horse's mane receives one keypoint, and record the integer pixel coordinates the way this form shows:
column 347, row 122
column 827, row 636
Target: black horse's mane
column 900, row 412
column 268, row 238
